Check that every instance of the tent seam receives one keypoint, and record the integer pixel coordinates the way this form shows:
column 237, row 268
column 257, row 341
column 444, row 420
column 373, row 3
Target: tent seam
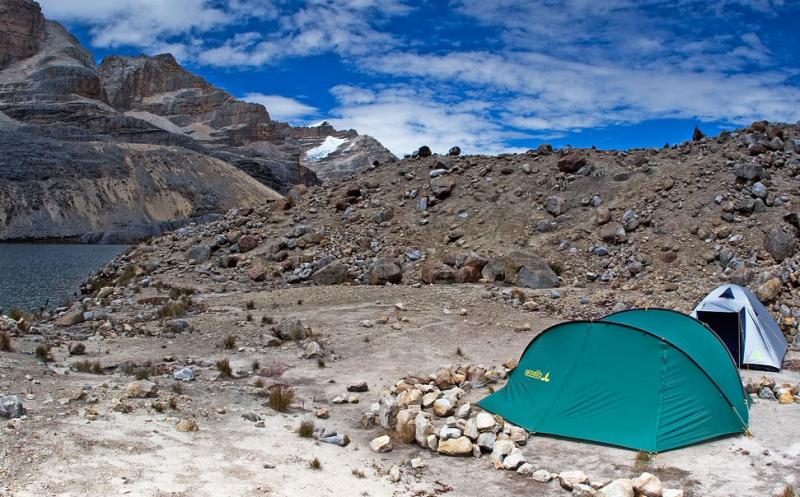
column 664, row 347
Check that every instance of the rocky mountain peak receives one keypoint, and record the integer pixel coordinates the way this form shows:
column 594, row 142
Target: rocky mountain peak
column 130, row 80
column 22, row 29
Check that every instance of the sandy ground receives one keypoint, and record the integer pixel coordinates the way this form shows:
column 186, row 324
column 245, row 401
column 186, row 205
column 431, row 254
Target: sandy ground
column 57, row 451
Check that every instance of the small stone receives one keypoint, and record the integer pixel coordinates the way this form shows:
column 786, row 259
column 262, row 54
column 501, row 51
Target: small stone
column 443, row 407
column 514, row 460
column 527, row 469
column 672, row 492
column 77, row 348
column 183, row 374
column 360, row 386
column 568, row 479
column 485, row 422
column 617, row 488
column 417, row 463
column 647, row 484
column 461, row 446
column 542, row 476
column 187, row 425
column 394, row 473
column 322, row 413
column 486, row 441
column 381, row 444
column 141, row 388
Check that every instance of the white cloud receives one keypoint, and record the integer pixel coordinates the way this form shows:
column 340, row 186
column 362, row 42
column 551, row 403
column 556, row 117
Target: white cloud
column 404, row 118
column 140, row 23
column 282, row 108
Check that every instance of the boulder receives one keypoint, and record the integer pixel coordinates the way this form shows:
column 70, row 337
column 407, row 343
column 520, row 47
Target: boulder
column 71, row 318
column 461, row 446
column 454, row 151
column 334, row 273
column 441, row 186
column 199, row 253
column 291, row 329
column 437, row 272
column 486, row 441
column 385, row 270
column 749, row 171
column 780, row 244
column 613, row 232
column 571, row 163
column 247, row 243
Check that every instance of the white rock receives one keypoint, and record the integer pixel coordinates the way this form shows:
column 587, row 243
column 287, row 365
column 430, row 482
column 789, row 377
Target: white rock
column 423, row 429
column 583, row 490
column 569, row 479
column 433, row 442
column 617, row 488
column 463, row 411
column 514, row 460
column 672, row 492
column 417, row 463
column 394, row 473
column 648, row 484
column 443, row 407
column 471, row 430
column 502, row 448
column 526, row 469
column 381, row 444
column 455, row 447
column 485, row 422
column 542, row 476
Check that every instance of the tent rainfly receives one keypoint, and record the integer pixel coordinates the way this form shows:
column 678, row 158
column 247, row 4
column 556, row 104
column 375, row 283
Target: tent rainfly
column 745, row 326
column 650, row 380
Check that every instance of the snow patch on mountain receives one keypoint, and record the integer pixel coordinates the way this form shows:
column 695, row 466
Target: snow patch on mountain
column 324, row 149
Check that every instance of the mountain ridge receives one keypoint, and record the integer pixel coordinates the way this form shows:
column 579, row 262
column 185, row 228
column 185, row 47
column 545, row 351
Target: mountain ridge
column 53, row 96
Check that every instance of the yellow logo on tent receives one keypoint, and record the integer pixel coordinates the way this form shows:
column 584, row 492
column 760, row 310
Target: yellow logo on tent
column 538, row 375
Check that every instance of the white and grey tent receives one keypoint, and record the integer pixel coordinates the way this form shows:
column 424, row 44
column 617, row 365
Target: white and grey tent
column 745, row 326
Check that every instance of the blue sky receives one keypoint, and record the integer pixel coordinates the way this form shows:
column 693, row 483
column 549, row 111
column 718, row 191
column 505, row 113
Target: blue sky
column 490, row 76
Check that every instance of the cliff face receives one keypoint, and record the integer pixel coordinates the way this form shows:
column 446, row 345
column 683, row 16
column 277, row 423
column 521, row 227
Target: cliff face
column 21, row 30
column 156, row 141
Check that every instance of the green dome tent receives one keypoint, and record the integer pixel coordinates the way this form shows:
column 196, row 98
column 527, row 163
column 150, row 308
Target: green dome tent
column 650, row 380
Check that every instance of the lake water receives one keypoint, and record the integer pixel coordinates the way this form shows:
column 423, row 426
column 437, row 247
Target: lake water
column 33, row 275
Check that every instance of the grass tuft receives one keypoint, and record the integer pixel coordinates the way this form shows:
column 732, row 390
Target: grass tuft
column 229, row 342
column 788, row 491
column 459, row 352
column 321, row 363
column 315, row 464
column 358, row 473
column 224, row 368
column 43, row 353
column 641, row 461
column 250, row 305
column 306, row 429
column 267, row 320
column 177, row 388
column 88, row 367
column 272, row 370
column 172, row 310
column 280, row 398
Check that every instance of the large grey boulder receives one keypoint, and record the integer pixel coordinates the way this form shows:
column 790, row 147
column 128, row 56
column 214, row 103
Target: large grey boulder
column 521, row 269
column 780, row 244
column 334, row 273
